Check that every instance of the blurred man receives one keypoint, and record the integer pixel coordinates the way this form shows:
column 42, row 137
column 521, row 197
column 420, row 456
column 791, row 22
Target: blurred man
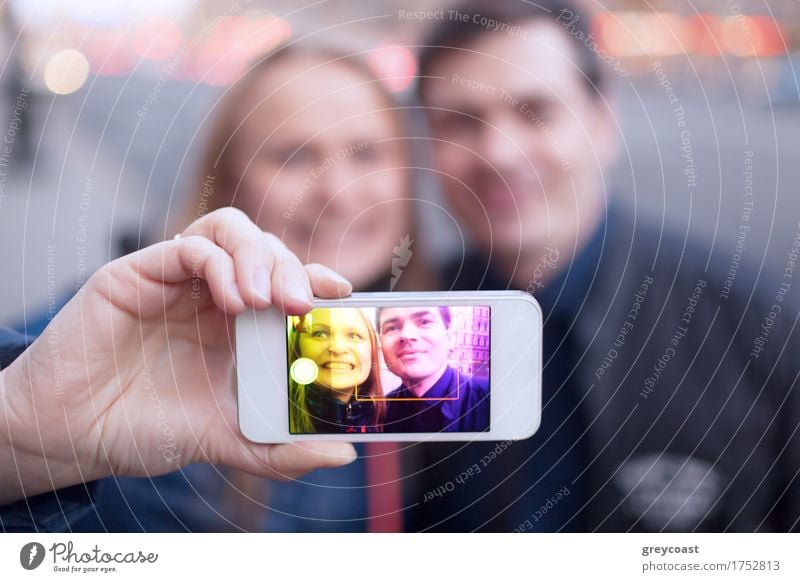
column 665, row 407
column 433, row 397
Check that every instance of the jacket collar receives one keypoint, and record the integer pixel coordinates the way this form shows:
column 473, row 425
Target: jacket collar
column 440, row 394
column 322, row 405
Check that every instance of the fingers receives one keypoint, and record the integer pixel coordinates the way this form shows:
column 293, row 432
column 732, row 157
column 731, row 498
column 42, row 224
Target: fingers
column 266, row 271
column 190, row 258
column 291, row 290
column 327, row 283
column 295, row 459
column 243, row 266
column 253, row 256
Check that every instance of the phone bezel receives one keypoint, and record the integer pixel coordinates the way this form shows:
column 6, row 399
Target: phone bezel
column 261, row 352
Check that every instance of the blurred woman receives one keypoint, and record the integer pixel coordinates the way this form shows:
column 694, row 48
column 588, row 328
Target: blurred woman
column 311, row 146
column 345, row 394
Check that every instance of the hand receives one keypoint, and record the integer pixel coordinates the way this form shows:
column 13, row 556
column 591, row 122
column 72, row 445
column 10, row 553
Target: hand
column 135, row 376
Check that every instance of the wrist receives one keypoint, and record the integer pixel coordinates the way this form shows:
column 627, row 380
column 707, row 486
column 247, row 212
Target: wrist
column 11, row 389
column 37, row 450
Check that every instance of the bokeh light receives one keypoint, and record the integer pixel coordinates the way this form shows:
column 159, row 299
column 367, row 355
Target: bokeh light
column 156, row 38
column 66, row 71
column 394, row 65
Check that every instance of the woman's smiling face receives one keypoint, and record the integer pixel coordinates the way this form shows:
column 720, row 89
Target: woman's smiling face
column 322, row 165
column 339, row 343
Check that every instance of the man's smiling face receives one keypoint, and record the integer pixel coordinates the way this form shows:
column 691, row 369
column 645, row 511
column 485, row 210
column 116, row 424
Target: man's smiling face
column 414, row 341
column 520, row 142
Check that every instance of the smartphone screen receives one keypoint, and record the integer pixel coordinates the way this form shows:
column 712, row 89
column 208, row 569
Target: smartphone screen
column 409, row 369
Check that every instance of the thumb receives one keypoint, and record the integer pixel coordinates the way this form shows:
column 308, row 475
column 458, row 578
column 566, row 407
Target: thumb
column 291, row 460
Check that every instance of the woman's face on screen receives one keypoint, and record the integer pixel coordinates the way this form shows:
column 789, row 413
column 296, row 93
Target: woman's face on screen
column 339, row 343
column 323, row 167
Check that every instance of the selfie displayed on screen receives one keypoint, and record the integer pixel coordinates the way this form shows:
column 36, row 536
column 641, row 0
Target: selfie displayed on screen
column 389, row 369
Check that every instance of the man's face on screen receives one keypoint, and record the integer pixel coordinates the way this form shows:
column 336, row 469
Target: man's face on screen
column 414, row 342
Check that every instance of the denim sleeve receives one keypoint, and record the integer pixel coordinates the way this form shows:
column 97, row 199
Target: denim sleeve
column 12, row 344
column 52, row 511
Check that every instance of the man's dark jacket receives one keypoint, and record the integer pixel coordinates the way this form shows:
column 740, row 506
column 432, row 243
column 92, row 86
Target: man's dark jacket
column 684, row 366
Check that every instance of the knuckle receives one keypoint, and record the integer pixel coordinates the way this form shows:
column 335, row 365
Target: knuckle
column 197, row 244
column 228, row 213
column 198, row 250
column 278, row 248
column 274, row 242
column 266, row 247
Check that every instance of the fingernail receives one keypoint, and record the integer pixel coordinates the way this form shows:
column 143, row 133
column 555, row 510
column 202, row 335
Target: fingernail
column 336, row 277
column 349, row 454
column 260, row 283
column 234, row 288
column 299, row 290
column 342, row 453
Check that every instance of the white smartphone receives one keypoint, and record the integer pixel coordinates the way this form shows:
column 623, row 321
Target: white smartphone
column 440, row 366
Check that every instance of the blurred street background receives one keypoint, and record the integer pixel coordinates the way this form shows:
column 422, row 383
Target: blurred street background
column 105, row 106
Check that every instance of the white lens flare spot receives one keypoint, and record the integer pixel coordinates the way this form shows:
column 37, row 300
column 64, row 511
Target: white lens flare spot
column 304, row 371
column 66, row 72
